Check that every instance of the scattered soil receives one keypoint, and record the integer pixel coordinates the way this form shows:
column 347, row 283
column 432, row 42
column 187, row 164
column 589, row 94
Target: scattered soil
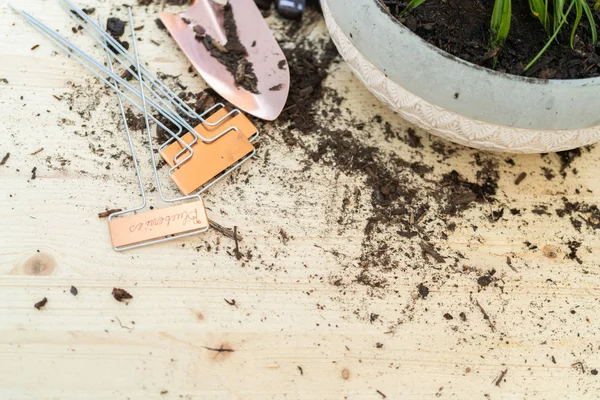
column 160, row 24
column 405, row 190
column 121, row 295
column 135, row 122
column 423, row 290
column 567, row 158
column 485, row 280
column 115, row 27
column 232, row 55
column 520, row 178
column 462, row 29
column 403, row 199
column 107, row 213
column 540, row 210
column 231, row 302
column 238, row 255
column 501, row 378
column 573, row 247
column 228, row 232
column 41, row 304
column 221, row 349
column 4, row 159
column 548, row 173
column 413, row 140
column 284, row 236
column 429, row 250
column 33, row 173
column 580, row 212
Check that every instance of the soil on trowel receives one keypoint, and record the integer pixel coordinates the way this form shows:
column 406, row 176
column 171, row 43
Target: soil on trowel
column 462, row 28
column 233, row 55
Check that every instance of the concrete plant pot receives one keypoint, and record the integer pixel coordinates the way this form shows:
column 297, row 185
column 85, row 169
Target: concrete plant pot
column 455, row 99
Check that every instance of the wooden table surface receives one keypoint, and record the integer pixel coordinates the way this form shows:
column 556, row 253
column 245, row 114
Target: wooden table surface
column 312, row 310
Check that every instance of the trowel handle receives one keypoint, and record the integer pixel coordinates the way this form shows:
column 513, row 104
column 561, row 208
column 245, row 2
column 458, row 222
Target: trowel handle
column 291, row 9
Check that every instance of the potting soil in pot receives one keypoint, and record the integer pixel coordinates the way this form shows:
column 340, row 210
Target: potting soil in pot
column 462, row 28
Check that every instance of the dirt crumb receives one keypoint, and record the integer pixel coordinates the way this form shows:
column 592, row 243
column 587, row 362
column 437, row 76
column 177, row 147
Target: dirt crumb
column 41, row 304
column 520, row 178
column 484, row 280
column 121, row 295
column 423, row 290
column 115, row 27
column 107, row 213
column 4, row 159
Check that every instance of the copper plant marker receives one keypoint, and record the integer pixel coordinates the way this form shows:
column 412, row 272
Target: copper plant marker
column 149, row 226
column 227, row 141
column 158, row 225
column 209, row 160
column 267, row 58
column 240, row 121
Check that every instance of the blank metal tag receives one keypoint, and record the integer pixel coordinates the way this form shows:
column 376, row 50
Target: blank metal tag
column 177, row 221
column 240, row 121
column 209, row 159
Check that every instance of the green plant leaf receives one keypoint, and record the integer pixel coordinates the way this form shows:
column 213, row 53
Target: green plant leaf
column 578, row 15
column 559, row 6
column 562, row 21
column 590, row 17
column 539, row 9
column 500, row 24
column 412, row 5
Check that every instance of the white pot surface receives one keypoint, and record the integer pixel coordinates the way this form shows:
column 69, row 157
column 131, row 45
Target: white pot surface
column 457, row 100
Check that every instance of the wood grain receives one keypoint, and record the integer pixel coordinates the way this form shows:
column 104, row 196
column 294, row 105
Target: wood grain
column 293, row 332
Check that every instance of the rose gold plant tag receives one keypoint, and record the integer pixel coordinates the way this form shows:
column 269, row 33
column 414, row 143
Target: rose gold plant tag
column 240, row 121
column 209, row 160
column 157, row 224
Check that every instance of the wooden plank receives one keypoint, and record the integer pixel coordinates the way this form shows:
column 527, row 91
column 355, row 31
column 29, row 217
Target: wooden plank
column 302, row 326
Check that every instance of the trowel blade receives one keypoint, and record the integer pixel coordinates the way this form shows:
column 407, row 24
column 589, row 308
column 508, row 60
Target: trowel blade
column 267, row 58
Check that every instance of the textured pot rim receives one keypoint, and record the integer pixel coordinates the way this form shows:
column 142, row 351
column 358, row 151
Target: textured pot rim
column 504, row 75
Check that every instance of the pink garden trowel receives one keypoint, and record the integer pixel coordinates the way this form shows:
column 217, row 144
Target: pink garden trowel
column 233, row 49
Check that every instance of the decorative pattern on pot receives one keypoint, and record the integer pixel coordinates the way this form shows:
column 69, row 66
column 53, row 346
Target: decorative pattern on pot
column 447, row 124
